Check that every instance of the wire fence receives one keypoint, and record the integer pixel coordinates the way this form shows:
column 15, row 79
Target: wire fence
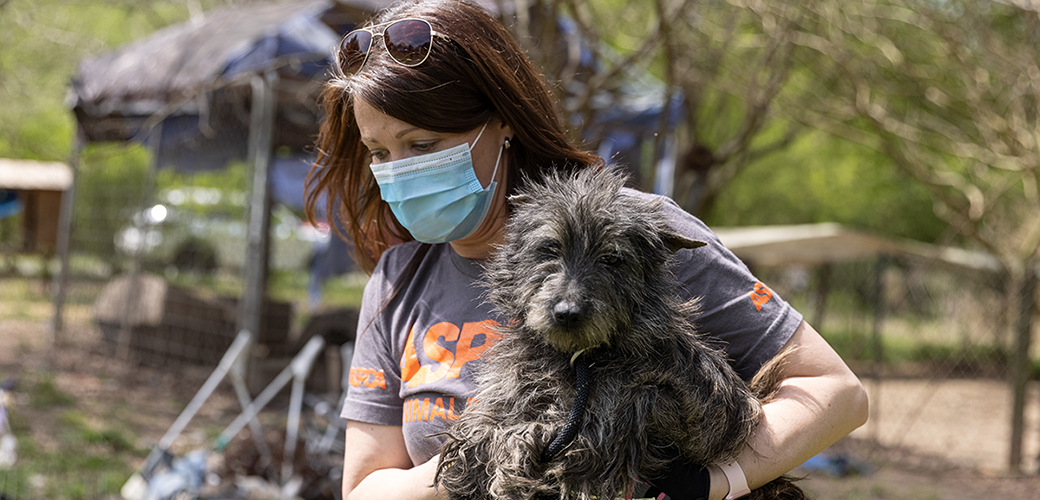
column 935, row 347
column 163, row 252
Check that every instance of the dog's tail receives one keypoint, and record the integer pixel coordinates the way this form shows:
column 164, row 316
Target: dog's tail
column 766, row 382
column 765, row 385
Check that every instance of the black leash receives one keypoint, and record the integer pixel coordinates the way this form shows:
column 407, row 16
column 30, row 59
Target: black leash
column 684, row 480
column 581, row 366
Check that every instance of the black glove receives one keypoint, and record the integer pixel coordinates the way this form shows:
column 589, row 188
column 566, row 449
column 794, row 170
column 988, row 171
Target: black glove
column 681, row 480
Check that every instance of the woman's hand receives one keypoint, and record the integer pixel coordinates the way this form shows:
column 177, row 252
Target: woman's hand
column 376, row 465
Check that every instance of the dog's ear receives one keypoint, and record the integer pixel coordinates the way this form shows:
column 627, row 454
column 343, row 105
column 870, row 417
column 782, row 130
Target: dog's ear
column 519, row 199
column 675, row 241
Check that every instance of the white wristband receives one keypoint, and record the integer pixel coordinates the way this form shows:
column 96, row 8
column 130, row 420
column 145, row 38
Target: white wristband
column 737, row 482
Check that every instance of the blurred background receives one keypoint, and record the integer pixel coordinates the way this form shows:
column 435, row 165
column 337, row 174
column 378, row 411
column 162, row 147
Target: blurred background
column 875, row 163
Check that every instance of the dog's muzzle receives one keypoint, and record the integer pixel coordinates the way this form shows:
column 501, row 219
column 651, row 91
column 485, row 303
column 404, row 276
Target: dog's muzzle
column 567, row 314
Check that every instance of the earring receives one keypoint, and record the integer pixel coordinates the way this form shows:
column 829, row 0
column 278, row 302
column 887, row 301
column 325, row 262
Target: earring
column 507, row 143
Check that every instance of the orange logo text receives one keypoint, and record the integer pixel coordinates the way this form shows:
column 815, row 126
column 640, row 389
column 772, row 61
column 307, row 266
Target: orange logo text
column 425, row 410
column 367, row 377
column 760, row 295
column 470, row 342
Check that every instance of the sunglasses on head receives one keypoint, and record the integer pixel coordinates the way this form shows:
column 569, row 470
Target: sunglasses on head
column 407, row 41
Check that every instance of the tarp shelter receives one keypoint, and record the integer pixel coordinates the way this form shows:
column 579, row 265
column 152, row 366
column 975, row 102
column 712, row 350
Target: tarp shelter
column 34, row 189
column 185, row 90
column 829, row 242
column 235, row 84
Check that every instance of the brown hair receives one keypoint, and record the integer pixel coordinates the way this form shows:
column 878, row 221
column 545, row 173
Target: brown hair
column 479, row 75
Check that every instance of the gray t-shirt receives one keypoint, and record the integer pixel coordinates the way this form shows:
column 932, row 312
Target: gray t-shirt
column 416, row 348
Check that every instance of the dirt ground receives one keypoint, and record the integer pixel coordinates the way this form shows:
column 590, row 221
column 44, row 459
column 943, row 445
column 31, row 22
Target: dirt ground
column 926, row 439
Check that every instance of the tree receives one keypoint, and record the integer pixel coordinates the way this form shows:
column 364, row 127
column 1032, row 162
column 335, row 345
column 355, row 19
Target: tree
column 42, row 41
column 950, row 91
column 729, row 60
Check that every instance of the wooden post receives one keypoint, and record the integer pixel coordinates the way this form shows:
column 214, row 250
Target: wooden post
column 1026, row 294
column 261, row 132
column 823, row 290
column 877, row 346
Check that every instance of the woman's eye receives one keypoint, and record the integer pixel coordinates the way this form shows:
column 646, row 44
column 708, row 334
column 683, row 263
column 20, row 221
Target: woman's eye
column 377, row 155
column 424, row 147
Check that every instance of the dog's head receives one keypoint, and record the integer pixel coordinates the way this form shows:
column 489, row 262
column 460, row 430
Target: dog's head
column 582, row 261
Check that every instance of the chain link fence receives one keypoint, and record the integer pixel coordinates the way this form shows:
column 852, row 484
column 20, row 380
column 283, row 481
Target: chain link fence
column 934, row 343
column 932, row 338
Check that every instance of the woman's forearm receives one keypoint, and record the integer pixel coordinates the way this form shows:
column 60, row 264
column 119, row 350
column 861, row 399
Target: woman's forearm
column 376, row 465
column 819, row 401
column 808, row 416
column 398, row 484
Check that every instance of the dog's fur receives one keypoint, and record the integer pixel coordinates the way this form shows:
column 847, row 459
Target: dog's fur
column 585, row 267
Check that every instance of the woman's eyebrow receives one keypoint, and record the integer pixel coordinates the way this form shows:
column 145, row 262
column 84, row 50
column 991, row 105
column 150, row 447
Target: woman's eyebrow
column 405, row 131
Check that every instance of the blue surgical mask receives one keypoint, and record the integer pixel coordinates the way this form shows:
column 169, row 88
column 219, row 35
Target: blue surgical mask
column 437, row 196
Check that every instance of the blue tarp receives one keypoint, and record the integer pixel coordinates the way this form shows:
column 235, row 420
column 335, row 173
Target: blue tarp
column 10, row 205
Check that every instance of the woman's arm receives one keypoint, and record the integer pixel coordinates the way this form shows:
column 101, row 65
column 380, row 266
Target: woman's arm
column 376, row 465
column 819, row 401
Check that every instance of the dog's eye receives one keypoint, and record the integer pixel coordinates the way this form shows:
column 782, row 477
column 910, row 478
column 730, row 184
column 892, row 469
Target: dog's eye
column 611, row 259
column 550, row 249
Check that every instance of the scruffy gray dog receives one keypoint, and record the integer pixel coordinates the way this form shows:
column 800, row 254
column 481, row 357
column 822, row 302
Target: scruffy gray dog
column 584, row 270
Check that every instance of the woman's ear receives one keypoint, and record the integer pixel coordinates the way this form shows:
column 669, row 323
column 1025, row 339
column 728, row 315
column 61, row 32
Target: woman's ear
column 505, row 132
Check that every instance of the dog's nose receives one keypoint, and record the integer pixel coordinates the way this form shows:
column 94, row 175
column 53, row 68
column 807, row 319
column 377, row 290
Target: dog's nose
column 567, row 313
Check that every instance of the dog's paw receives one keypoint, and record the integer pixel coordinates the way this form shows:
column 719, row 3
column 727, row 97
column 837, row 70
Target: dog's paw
column 782, row 488
column 458, row 471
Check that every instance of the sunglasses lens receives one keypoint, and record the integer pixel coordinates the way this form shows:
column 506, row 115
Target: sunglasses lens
column 354, row 49
column 409, row 41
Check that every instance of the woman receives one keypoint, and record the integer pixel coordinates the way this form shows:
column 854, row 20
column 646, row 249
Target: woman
column 434, row 117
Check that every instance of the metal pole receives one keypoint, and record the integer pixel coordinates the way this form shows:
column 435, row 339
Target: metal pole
column 299, row 367
column 68, row 198
column 237, row 349
column 131, row 313
column 238, row 382
column 261, row 131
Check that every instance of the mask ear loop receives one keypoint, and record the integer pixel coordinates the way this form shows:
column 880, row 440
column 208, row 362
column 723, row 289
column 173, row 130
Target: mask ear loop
column 497, row 159
column 471, row 146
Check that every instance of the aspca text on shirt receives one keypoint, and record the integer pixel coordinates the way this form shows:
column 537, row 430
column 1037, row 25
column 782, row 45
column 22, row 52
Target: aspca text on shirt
column 437, row 356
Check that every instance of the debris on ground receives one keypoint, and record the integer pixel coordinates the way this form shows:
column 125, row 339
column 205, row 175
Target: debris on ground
column 8, row 443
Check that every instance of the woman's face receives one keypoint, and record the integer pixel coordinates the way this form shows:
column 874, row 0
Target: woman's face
column 390, row 139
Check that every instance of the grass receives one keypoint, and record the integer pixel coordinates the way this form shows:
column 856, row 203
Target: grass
column 24, row 300
column 81, row 459
column 45, row 395
column 84, row 456
column 288, row 286
column 929, row 324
